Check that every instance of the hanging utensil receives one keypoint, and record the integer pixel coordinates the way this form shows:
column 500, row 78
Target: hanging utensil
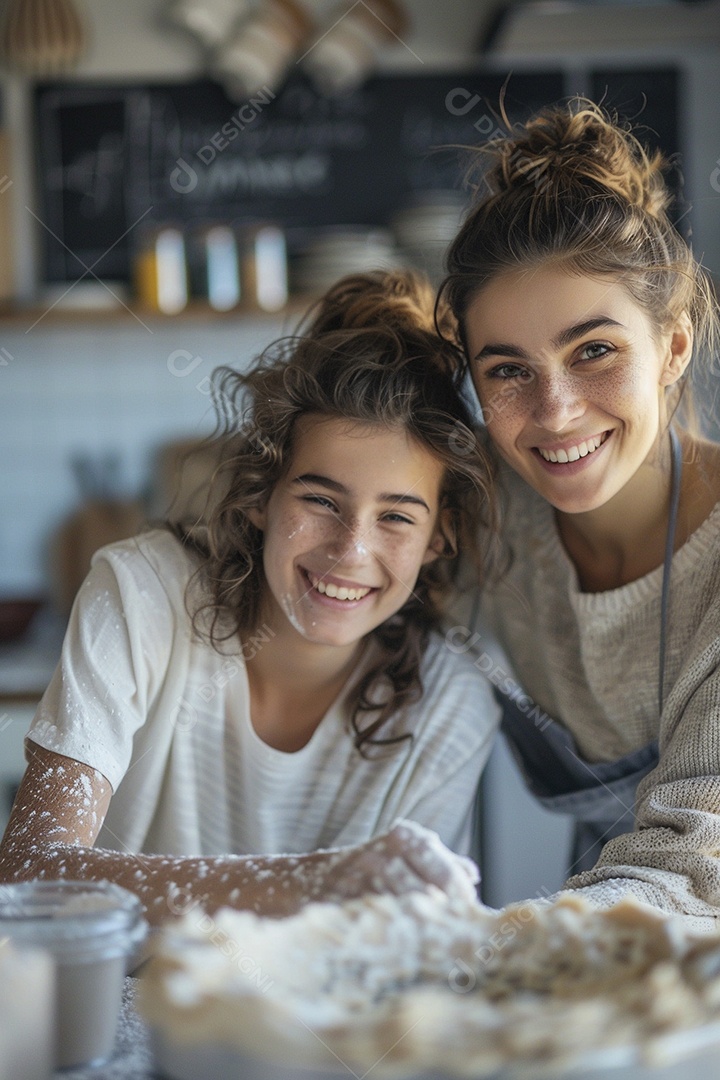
column 41, row 37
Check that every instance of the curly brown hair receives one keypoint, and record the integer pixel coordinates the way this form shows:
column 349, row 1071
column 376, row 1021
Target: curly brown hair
column 575, row 187
column 367, row 352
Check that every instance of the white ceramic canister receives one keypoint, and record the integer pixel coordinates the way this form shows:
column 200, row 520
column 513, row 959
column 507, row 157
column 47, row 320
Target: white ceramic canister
column 27, row 1017
column 346, row 52
column 258, row 53
column 208, row 20
column 93, row 931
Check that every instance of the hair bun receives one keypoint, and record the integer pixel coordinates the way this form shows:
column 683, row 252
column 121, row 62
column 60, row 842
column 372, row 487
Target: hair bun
column 398, row 301
column 577, row 145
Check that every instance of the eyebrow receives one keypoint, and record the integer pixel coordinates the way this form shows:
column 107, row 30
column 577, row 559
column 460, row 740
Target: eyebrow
column 565, row 337
column 335, row 485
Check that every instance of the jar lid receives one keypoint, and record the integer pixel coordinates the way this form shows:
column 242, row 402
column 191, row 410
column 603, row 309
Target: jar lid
column 76, row 921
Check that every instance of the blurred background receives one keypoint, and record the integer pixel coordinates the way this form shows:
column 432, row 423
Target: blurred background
column 178, row 179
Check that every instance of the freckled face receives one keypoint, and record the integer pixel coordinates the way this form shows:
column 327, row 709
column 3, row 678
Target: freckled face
column 348, row 528
column 570, row 379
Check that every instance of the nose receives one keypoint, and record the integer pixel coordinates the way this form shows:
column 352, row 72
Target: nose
column 557, row 401
column 347, row 545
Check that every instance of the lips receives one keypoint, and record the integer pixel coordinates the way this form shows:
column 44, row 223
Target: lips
column 573, row 452
column 338, row 591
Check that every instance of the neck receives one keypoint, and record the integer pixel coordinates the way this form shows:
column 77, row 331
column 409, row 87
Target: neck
column 623, row 539
column 288, row 660
column 293, row 682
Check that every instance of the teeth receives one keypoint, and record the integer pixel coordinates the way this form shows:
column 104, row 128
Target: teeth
column 581, row 450
column 337, row 592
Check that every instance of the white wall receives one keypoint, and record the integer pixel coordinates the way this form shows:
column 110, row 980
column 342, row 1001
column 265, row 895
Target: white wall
column 96, row 388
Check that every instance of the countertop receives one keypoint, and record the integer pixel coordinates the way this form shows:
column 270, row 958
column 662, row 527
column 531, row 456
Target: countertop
column 133, row 1060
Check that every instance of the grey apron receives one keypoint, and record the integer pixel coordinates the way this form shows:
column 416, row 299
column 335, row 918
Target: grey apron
column 600, row 796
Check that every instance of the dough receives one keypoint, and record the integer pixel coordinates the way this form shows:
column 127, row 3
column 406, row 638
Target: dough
column 422, row 981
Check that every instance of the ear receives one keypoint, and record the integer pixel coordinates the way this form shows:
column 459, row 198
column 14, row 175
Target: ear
column 258, row 517
column 443, row 542
column 679, row 351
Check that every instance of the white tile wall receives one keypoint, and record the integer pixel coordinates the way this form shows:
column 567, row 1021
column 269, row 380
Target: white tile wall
column 95, row 388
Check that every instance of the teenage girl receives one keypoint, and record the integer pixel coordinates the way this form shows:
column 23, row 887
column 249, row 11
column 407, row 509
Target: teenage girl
column 235, row 699
column 580, row 310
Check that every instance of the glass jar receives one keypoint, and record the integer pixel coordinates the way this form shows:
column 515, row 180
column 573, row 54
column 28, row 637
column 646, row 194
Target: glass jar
column 214, row 266
column 265, row 268
column 91, row 930
column 160, row 271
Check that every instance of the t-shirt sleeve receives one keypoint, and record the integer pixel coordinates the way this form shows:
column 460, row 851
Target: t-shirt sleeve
column 672, row 859
column 113, row 661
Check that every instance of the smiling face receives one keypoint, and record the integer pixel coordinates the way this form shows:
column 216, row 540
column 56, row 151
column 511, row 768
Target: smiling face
column 348, row 527
column 571, row 381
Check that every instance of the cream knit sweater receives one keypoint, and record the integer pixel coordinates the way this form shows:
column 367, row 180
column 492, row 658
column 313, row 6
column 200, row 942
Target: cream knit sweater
column 591, row 661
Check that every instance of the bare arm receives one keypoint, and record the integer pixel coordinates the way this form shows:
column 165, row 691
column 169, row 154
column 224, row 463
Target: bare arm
column 60, row 808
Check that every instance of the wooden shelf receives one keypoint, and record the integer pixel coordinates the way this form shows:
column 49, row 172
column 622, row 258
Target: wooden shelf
column 46, row 316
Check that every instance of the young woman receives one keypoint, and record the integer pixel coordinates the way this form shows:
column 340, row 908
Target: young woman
column 580, row 308
column 234, row 699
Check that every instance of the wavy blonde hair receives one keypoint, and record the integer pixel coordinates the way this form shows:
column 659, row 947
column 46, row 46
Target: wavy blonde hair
column 368, row 352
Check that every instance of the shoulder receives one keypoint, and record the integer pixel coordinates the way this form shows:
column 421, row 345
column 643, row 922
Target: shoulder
column 458, row 714
column 700, row 496
column 448, row 670
column 152, row 562
column 156, row 548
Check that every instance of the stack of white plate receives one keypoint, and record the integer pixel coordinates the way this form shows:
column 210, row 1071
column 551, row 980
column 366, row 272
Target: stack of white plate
column 425, row 227
column 343, row 250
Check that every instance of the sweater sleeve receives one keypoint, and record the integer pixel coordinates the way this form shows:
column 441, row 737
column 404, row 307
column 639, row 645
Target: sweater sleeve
column 672, row 859
column 113, row 660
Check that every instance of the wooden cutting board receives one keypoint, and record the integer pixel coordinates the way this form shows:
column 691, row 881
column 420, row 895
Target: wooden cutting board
column 96, row 523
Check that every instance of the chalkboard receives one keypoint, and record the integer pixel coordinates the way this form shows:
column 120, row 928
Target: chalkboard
column 114, row 158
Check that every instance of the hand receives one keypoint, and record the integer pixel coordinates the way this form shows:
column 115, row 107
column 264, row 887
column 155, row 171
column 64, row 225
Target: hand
column 408, row 858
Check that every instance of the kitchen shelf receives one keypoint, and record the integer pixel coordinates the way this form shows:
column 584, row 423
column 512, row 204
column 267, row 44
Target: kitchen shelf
column 48, row 316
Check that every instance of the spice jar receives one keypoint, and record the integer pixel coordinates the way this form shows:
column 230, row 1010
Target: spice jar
column 257, row 55
column 264, row 268
column 91, row 930
column 161, row 272
column 214, row 266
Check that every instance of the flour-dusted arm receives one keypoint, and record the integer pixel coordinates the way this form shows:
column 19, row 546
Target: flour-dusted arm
column 59, row 811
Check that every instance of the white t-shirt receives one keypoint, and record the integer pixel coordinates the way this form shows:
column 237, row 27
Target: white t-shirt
column 166, row 719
